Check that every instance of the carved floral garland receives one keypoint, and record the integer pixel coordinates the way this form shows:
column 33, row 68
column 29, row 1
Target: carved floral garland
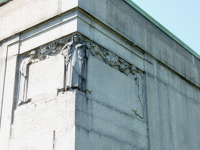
column 108, row 57
column 57, row 47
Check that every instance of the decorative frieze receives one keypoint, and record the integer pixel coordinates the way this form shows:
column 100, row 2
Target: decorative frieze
column 124, row 67
column 114, row 61
column 75, row 51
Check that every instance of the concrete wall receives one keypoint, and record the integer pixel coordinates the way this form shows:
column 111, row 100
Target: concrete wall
column 155, row 108
column 46, row 125
column 130, row 24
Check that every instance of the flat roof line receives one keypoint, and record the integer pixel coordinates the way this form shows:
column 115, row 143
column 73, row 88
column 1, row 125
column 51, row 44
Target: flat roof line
column 161, row 27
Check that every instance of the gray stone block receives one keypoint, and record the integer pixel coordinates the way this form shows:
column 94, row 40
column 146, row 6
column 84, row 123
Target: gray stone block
column 107, row 85
column 55, row 31
column 47, row 81
column 45, row 125
column 88, row 141
column 109, row 114
column 31, row 11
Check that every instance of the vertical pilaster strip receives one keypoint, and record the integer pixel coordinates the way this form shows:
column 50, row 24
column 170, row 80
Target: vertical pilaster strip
column 2, row 77
column 8, row 95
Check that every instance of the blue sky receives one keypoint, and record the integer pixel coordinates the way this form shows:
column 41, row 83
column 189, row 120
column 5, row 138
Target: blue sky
column 2, row 1
column 181, row 17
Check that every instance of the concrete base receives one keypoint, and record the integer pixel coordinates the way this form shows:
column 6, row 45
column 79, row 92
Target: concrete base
column 48, row 124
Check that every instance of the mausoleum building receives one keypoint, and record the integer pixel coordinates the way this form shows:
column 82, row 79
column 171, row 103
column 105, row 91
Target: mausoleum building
column 94, row 75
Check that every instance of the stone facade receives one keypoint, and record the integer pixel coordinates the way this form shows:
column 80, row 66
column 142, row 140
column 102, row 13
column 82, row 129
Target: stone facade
column 94, row 75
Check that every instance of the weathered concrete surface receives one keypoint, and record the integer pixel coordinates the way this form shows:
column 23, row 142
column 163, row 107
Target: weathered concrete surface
column 10, row 49
column 8, row 99
column 48, row 82
column 173, row 113
column 129, row 23
column 49, row 31
column 45, row 125
column 104, row 117
column 8, row 64
column 29, row 13
column 107, row 85
column 112, row 106
column 3, row 63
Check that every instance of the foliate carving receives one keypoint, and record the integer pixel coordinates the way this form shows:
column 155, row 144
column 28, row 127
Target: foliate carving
column 123, row 66
column 112, row 60
column 75, row 51
column 35, row 56
column 51, row 49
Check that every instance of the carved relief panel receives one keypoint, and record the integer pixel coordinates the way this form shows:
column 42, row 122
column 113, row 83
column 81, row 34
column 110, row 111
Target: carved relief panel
column 65, row 60
column 127, row 88
column 71, row 55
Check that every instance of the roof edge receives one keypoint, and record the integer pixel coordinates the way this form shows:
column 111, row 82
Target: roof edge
column 161, row 27
column 4, row 2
